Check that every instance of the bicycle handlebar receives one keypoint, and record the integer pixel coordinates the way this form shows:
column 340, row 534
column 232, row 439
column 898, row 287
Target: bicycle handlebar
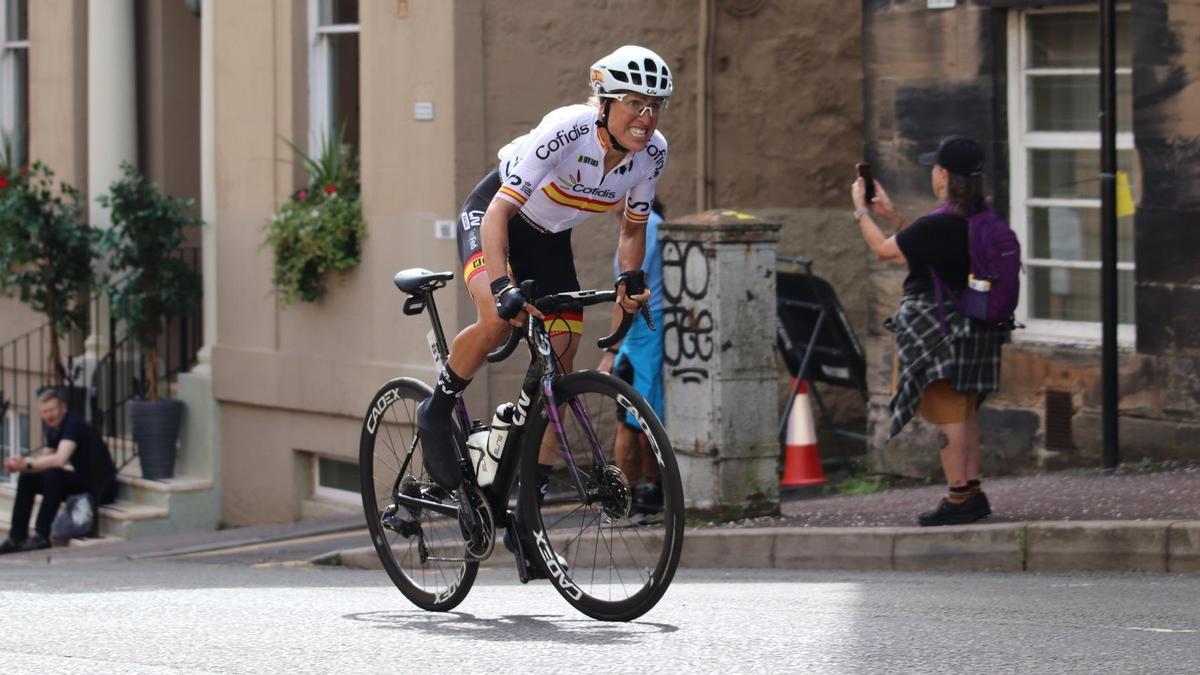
column 568, row 301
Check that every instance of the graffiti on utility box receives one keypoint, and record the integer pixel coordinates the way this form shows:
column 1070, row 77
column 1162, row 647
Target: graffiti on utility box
column 687, row 325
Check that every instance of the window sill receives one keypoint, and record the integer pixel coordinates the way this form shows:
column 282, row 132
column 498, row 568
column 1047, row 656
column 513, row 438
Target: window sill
column 1072, row 334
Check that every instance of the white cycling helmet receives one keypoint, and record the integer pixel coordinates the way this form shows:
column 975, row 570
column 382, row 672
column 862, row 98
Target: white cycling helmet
column 632, row 68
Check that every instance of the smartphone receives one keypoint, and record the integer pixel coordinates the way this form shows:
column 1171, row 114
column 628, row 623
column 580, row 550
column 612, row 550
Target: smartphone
column 864, row 172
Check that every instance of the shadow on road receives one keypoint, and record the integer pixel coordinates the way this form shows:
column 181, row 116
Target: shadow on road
column 511, row 627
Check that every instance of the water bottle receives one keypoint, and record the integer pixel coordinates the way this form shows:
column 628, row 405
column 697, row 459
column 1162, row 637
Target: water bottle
column 498, row 434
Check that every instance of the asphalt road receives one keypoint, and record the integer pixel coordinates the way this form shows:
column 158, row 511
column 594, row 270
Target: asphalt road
column 260, row 611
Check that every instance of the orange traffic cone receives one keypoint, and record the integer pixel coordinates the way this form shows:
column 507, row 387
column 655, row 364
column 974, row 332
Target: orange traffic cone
column 802, row 461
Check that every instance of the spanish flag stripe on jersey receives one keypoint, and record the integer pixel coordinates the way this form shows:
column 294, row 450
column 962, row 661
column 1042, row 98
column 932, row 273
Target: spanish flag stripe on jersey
column 474, row 265
column 556, row 194
column 636, row 217
column 564, row 322
column 509, row 192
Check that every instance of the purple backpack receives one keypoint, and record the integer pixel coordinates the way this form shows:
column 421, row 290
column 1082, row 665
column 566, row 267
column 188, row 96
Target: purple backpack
column 994, row 286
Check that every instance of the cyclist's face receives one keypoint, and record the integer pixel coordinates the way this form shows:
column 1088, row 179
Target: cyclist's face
column 633, row 119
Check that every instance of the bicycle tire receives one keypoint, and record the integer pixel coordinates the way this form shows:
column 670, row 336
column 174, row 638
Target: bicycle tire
column 389, row 434
column 648, row 552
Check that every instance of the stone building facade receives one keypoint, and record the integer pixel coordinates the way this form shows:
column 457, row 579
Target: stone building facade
column 1021, row 77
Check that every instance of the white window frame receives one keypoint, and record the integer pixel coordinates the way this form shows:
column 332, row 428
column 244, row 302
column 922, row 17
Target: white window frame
column 319, row 96
column 327, row 493
column 1020, row 142
column 8, row 78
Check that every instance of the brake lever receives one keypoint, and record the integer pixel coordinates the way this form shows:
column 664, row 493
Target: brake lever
column 646, row 315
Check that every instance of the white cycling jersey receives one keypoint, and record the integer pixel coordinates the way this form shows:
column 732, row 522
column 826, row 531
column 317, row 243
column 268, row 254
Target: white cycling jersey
column 555, row 173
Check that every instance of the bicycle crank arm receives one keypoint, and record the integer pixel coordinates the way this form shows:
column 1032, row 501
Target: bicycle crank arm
column 437, row 507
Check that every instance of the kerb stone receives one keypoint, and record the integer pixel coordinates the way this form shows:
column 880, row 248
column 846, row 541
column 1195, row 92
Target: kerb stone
column 1183, row 547
column 1102, row 546
column 834, row 548
column 956, row 549
column 719, row 548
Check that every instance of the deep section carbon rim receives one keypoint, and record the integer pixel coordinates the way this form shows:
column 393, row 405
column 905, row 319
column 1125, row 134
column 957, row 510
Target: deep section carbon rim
column 611, row 528
column 422, row 550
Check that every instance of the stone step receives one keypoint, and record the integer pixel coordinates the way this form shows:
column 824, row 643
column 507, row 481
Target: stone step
column 123, row 519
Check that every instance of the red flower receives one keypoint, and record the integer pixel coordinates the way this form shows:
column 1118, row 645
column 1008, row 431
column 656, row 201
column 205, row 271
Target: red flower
column 301, row 195
column 330, row 189
column 3, row 181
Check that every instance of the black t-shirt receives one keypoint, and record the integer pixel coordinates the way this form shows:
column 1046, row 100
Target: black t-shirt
column 939, row 240
column 73, row 428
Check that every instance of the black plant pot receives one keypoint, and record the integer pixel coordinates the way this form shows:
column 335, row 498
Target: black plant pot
column 156, row 432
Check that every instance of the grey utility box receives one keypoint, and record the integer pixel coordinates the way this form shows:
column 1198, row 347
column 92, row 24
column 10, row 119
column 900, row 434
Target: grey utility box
column 719, row 367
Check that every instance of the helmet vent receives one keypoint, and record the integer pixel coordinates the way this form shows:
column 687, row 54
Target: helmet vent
column 619, row 76
column 636, row 78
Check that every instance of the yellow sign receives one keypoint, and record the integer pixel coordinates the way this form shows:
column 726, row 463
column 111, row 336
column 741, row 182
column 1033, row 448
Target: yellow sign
column 1125, row 205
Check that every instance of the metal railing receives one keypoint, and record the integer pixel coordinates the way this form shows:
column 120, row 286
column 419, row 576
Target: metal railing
column 104, row 370
column 120, row 374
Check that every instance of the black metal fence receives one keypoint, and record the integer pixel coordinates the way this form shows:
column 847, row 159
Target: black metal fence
column 104, row 370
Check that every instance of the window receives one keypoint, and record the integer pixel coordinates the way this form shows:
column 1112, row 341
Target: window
column 14, row 438
column 333, row 71
column 14, row 82
column 1054, row 136
column 335, row 479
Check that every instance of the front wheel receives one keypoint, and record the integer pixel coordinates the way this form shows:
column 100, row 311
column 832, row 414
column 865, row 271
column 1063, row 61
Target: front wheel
column 609, row 532
column 423, row 551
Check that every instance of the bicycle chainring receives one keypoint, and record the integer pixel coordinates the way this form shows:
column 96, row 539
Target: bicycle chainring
column 478, row 526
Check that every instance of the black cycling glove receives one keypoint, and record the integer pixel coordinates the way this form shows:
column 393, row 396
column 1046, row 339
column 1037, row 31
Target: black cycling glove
column 634, row 280
column 635, row 284
column 509, row 300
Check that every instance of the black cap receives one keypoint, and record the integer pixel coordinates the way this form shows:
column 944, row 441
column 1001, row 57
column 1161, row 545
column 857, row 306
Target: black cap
column 957, row 154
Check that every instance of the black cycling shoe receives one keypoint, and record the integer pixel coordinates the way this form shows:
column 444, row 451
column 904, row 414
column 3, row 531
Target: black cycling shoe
column 437, row 443
column 10, row 545
column 949, row 513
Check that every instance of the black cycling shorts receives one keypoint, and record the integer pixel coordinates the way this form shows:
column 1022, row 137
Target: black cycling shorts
column 533, row 253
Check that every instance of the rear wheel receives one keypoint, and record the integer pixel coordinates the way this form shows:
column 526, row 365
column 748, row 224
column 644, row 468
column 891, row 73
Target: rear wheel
column 610, row 555
column 423, row 551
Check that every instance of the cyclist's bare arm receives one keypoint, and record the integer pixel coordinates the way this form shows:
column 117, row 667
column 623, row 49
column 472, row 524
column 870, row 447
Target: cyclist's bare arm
column 631, row 251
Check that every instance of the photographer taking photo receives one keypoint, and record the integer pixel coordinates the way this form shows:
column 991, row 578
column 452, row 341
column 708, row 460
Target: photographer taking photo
column 945, row 363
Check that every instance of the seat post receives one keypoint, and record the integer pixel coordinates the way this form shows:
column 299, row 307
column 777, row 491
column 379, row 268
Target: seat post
column 439, row 336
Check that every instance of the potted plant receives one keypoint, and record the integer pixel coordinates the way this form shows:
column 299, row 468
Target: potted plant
column 46, row 251
column 320, row 228
column 147, row 230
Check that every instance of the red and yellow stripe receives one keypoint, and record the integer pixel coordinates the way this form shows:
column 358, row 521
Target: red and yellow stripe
column 474, row 265
column 564, row 322
column 558, row 196
column 636, row 218
column 513, row 195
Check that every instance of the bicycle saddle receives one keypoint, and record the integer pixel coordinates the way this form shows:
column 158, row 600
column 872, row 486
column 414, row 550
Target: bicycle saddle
column 420, row 280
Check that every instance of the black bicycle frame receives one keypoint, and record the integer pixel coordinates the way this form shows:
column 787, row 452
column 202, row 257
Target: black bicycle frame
column 542, row 374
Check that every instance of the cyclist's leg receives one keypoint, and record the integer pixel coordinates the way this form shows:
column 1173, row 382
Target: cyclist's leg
column 470, row 347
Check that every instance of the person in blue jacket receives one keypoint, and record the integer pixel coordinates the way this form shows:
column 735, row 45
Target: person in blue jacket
column 638, row 361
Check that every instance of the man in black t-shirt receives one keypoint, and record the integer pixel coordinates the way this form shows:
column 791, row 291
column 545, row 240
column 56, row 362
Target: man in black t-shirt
column 69, row 440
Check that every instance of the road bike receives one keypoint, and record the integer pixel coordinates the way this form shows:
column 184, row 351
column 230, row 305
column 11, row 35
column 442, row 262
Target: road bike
column 607, row 559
